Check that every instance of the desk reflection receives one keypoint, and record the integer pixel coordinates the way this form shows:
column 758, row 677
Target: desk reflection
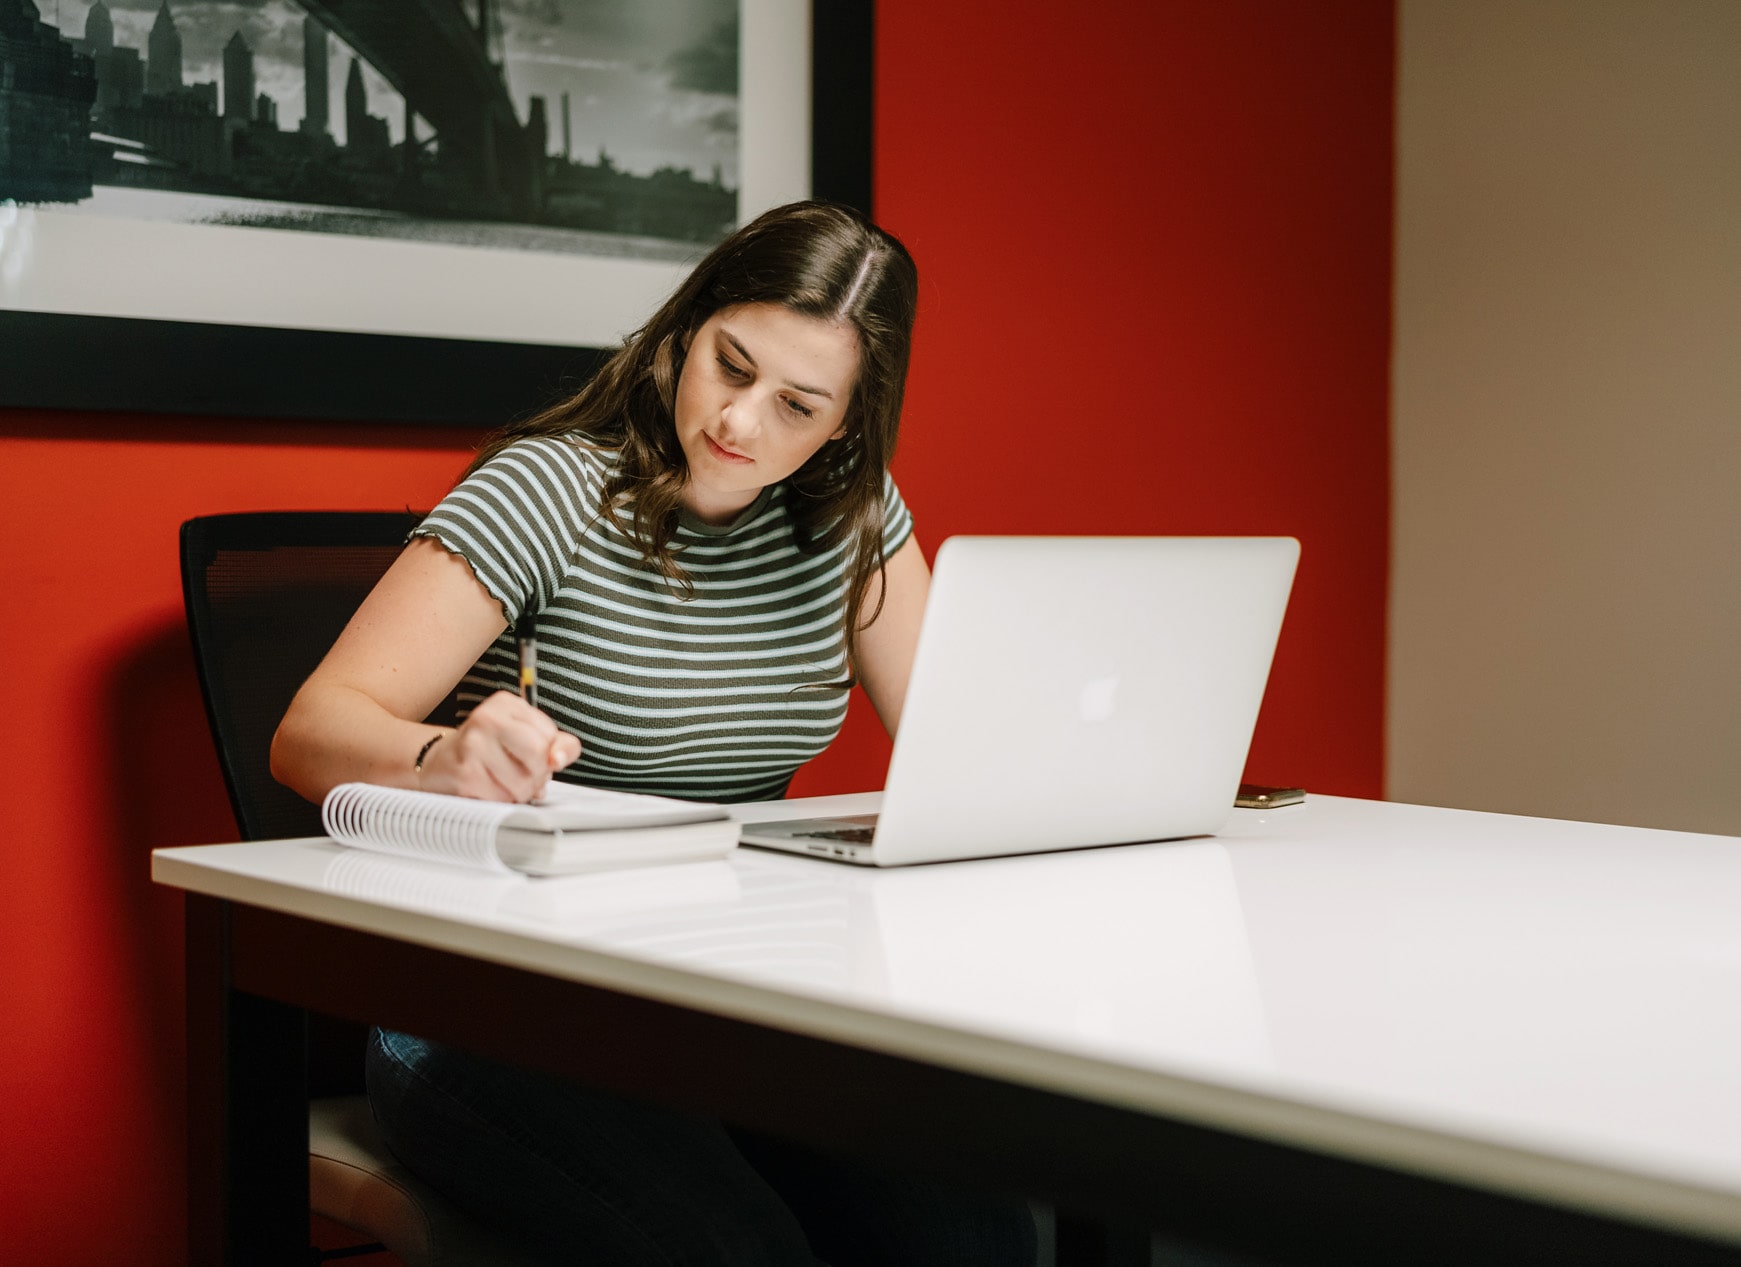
column 598, row 900
column 1140, row 950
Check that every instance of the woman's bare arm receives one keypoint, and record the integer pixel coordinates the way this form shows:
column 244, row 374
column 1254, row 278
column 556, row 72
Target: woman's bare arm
column 886, row 645
column 358, row 717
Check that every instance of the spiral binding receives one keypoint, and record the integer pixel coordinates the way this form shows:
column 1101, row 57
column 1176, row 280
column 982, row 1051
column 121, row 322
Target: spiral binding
column 416, row 824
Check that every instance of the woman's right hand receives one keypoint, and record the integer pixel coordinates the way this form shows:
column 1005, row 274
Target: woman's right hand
column 506, row 750
column 357, row 718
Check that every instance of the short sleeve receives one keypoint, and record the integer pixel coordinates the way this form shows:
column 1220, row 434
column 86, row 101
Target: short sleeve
column 897, row 519
column 517, row 519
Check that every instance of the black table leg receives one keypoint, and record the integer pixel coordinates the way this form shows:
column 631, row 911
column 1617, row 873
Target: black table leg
column 247, row 1110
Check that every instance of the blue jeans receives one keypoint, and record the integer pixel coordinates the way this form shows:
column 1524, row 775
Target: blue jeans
column 577, row 1173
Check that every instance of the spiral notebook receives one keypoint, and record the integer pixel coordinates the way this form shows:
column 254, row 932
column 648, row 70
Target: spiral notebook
column 570, row 829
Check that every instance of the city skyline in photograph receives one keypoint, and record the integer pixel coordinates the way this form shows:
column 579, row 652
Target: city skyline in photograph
column 652, row 83
column 581, row 126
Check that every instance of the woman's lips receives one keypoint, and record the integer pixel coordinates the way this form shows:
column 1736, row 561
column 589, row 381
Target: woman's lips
column 722, row 453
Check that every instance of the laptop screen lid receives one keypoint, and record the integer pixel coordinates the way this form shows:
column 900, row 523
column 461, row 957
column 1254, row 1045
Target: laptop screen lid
column 1078, row 691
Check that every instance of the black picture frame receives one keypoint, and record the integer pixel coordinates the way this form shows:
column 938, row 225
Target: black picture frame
column 114, row 364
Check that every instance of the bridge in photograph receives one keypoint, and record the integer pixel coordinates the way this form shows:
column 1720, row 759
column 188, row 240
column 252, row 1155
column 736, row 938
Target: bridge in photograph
column 439, row 62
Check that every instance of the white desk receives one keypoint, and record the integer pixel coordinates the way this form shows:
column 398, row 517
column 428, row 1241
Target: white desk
column 1438, row 1033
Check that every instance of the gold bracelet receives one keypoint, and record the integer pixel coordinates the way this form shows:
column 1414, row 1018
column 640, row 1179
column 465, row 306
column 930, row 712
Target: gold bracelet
column 417, row 765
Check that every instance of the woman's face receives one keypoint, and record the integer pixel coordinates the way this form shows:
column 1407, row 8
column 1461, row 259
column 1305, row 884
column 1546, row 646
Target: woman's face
column 762, row 389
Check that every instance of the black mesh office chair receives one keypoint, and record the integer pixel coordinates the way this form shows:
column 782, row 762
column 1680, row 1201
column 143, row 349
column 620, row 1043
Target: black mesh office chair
column 267, row 594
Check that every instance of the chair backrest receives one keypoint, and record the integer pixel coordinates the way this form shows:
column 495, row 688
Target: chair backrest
column 267, row 594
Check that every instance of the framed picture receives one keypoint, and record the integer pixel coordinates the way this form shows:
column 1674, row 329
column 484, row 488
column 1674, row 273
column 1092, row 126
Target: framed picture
column 328, row 212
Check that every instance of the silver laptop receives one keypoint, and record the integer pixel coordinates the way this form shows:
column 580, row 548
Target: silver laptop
column 1070, row 692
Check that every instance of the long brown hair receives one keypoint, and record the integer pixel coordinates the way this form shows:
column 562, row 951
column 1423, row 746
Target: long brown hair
column 818, row 260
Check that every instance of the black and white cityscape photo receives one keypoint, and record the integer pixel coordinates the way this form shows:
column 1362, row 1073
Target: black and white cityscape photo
column 605, row 127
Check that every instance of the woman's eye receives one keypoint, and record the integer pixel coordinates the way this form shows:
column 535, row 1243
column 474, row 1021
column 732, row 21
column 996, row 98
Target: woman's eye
column 730, row 370
column 800, row 408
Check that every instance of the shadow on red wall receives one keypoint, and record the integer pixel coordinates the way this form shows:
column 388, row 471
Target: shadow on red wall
column 164, row 789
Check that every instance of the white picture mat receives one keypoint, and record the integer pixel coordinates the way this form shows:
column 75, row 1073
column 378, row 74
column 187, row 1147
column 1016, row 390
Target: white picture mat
column 63, row 262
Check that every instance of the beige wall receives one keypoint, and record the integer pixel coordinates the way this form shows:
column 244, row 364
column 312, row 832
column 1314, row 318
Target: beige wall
column 1565, row 627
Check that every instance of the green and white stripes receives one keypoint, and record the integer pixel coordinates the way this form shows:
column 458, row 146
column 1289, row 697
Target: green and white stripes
column 721, row 695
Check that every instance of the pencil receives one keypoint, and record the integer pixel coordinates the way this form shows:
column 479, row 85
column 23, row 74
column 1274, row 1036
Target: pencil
column 526, row 634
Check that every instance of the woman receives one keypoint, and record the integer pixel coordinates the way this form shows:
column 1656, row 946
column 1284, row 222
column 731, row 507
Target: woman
column 714, row 552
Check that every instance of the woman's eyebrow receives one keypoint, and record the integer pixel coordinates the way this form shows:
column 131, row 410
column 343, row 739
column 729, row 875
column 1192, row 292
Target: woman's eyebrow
column 744, row 352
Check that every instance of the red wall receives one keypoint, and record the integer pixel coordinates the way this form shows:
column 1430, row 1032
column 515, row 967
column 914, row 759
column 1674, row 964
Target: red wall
column 1155, row 252
column 1154, row 259
column 107, row 757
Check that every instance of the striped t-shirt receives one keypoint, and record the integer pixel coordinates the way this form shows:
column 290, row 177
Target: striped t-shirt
column 720, row 695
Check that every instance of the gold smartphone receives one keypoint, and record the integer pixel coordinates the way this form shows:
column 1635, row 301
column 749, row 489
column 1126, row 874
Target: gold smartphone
column 1252, row 796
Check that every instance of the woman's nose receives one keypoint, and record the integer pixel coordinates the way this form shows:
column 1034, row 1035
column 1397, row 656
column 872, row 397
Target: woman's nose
column 738, row 417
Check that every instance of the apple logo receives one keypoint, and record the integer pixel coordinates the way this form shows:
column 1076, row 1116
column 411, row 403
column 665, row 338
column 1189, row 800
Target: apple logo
column 1099, row 698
